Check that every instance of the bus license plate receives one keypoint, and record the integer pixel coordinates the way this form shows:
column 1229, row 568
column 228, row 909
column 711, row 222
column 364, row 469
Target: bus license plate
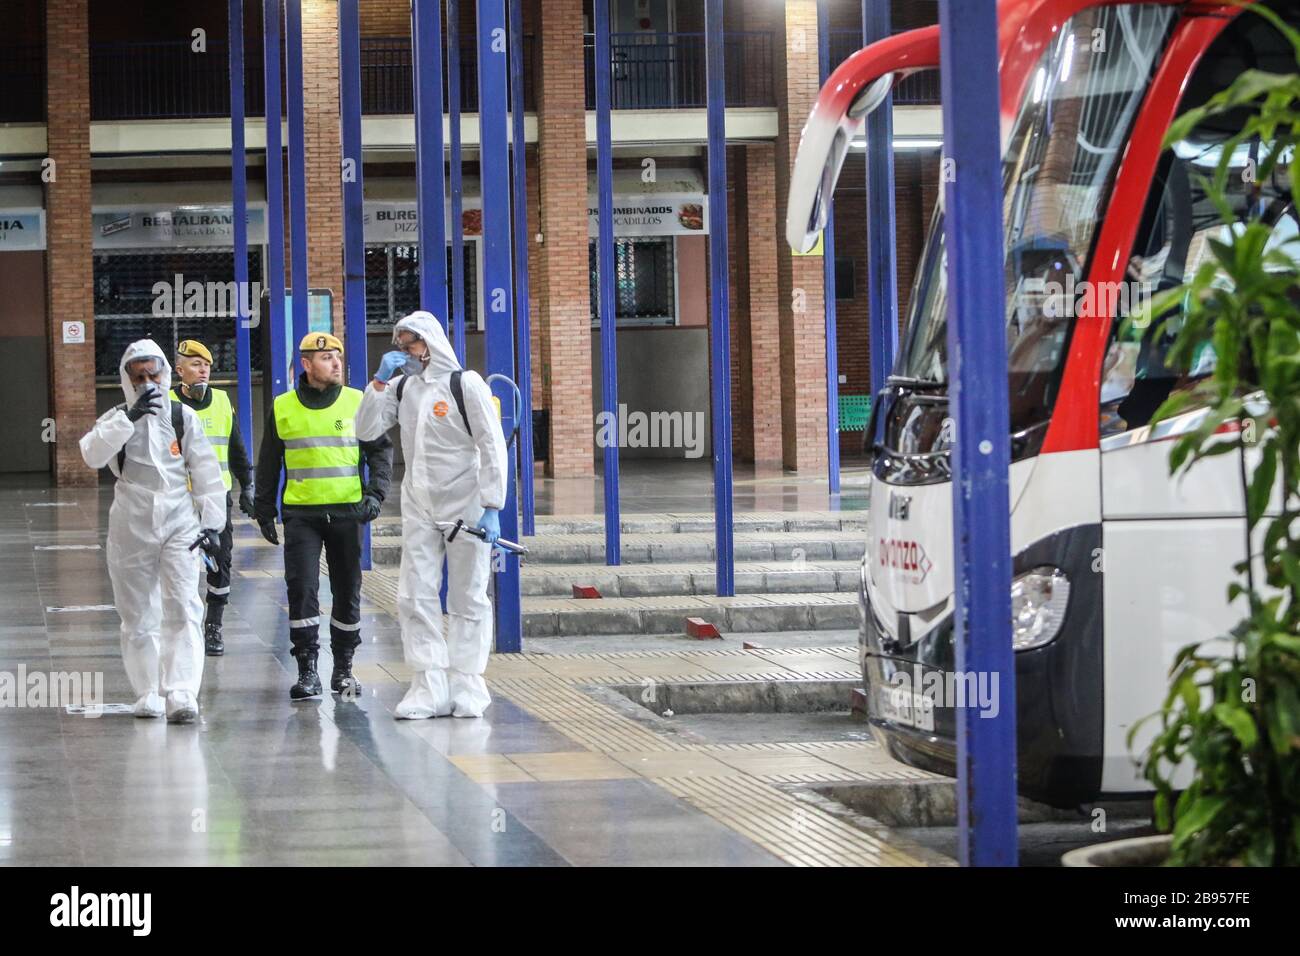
column 906, row 707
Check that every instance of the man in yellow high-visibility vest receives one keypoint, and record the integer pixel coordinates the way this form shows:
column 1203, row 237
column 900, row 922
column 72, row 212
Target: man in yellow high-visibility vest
column 213, row 409
column 327, row 498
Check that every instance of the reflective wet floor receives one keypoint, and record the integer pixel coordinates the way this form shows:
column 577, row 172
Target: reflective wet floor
column 555, row 774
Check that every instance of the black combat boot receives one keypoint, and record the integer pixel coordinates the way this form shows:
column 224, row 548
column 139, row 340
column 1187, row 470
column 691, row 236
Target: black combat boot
column 308, row 680
column 213, row 644
column 341, row 679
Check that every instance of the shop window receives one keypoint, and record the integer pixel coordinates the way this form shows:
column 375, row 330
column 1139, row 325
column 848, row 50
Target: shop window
column 393, row 283
column 645, row 281
column 127, row 306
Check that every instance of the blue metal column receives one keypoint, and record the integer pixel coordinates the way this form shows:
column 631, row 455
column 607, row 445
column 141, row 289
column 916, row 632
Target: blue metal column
column 605, row 284
column 239, row 204
column 977, row 373
column 276, row 365
column 426, row 62
column 293, row 91
column 495, row 175
column 457, row 186
column 882, row 282
column 523, row 319
column 828, row 273
column 354, row 243
column 719, row 301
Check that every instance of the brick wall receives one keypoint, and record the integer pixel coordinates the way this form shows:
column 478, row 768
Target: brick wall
column 69, row 268
column 563, row 317
column 320, row 77
column 762, row 247
column 800, row 284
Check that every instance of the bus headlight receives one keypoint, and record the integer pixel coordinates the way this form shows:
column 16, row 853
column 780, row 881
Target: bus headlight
column 1038, row 601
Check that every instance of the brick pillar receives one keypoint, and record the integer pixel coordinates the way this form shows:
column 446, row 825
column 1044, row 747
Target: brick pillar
column 563, row 317
column 320, row 76
column 801, row 289
column 69, row 267
column 742, row 373
column 763, row 228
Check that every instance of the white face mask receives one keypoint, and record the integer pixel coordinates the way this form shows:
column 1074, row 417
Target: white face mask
column 414, row 366
column 146, row 386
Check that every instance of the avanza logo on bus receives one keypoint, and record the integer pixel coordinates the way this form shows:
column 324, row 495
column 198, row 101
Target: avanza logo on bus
column 904, row 555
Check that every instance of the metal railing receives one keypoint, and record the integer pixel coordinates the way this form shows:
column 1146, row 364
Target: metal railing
column 22, row 84
column 386, row 76
column 167, row 80
column 667, row 70
column 919, row 89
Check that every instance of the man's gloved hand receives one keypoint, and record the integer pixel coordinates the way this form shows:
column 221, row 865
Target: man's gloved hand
column 246, row 500
column 490, row 522
column 209, row 540
column 370, row 508
column 267, row 526
column 392, row 363
column 148, row 403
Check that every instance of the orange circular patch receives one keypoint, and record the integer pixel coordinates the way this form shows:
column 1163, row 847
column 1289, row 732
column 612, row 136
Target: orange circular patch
column 440, row 409
column 176, row 449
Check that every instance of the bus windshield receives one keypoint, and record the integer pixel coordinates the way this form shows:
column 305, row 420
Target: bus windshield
column 1057, row 170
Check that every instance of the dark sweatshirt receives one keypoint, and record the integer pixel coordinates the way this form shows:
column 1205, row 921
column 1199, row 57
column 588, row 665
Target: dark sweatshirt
column 241, row 466
column 376, row 455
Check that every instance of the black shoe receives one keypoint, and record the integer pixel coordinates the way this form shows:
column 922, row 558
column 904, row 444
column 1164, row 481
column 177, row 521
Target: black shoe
column 213, row 644
column 308, row 680
column 341, row 679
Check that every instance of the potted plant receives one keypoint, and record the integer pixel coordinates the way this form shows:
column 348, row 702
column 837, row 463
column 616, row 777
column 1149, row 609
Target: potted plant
column 1233, row 705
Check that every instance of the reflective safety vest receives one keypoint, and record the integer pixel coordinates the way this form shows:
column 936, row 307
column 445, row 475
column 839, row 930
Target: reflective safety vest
column 218, row 420
column 322, row 459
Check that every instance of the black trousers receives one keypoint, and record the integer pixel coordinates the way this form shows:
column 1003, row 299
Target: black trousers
column 219, row 580
column 303, row 539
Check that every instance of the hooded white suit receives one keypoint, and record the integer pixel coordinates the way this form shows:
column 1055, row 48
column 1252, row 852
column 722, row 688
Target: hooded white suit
column 449, row 475
column 151, row 525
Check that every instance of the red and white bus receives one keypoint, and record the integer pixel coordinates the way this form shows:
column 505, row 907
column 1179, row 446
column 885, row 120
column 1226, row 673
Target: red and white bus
column 1116, row 564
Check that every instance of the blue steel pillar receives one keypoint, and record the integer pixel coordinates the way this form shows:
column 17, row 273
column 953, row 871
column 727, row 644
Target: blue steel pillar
column 882, row 283
column 523, row 319
column 719, row 301
column 493, row 148
column 277, row 363
column 977, row 373
column 239, row 218
column 293, row 86
column 828, row 274
column 605, row 285
column 426, row 62
column 457, row 184
column 354, row 247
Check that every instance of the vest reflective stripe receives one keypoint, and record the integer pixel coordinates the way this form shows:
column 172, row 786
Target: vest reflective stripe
column 322, row 458
column 218, row 421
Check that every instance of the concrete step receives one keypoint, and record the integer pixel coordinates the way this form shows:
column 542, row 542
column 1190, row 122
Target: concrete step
column 697, row 522
column 652, row 580
column 678, row 547
column 748, row 613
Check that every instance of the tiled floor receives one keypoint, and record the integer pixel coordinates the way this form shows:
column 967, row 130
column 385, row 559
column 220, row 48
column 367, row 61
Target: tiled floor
column 551, row 776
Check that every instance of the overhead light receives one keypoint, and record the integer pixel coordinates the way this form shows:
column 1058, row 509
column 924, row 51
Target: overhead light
column 902, row 142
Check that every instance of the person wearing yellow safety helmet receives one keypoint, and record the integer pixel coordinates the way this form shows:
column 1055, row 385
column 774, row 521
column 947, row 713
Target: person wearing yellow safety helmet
column 327, row 499
column 217, row 416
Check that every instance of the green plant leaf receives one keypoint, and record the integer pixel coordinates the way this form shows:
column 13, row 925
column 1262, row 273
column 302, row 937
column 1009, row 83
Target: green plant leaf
column 1236, row 719
column 1261, row 485
column 1196, row 817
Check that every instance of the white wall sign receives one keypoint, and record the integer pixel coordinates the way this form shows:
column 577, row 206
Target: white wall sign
column 74, row 333
column 154, row 227
column 654, row 214
column 22, row 229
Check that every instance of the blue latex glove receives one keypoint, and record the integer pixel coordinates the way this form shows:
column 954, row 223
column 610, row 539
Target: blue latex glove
column 490, row 521
column 392, row 363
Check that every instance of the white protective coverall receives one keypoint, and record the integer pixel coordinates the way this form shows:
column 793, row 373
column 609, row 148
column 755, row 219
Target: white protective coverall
column 449, row 475
column 151, row 525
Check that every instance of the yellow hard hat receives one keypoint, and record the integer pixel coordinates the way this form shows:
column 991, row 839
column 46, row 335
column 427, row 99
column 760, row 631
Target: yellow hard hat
column 192, row 348
column 319, row 342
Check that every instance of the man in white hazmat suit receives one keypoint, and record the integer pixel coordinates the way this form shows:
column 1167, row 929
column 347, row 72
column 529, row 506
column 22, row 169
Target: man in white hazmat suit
column 455, row 469
column 169, row 497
